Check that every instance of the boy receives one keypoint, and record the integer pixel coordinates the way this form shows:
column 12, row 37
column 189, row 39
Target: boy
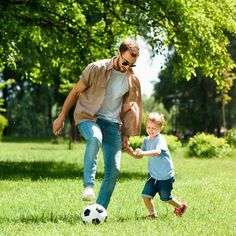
column 160, row 167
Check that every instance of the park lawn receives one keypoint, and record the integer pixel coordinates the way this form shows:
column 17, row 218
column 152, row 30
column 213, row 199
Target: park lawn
column 41, row 186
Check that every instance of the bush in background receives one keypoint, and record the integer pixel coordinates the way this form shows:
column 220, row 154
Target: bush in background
column 172, row 142
column 3, row 124
column 231, row 137
column 136, row 141
column 3, row 119
column 207, row 146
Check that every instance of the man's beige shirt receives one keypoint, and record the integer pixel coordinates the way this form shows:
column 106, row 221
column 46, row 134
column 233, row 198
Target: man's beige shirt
column 95, row 77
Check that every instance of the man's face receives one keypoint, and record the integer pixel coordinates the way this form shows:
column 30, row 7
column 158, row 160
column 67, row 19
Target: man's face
column 125, row 60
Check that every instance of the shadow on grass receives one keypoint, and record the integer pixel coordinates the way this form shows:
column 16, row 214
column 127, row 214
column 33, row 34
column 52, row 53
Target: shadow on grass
column 52, row 170
column 67, row 218
column 44, row 218
column 39, row 170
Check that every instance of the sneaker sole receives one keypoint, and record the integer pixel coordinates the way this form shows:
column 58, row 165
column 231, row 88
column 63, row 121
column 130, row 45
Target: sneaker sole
column 88, row 198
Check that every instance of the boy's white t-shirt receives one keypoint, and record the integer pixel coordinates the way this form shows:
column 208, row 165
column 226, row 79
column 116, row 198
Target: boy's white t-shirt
column 116, row 88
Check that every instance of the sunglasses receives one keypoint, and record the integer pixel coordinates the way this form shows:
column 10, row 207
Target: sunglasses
column 126, row 63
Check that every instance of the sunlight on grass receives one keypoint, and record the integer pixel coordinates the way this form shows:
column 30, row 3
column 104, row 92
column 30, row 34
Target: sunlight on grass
column 41, row 187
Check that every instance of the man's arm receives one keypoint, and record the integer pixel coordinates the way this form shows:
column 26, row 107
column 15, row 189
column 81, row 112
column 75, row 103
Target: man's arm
column 58, row 123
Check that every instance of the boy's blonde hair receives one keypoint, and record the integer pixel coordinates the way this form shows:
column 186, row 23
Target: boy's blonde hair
column 157, row 118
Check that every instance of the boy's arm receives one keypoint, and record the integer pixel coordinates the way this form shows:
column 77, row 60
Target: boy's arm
column 154, row 152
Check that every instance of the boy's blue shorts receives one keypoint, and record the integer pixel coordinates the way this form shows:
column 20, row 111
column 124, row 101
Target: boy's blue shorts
column 162, row 187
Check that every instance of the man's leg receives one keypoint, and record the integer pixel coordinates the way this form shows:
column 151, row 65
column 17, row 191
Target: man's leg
column 92, row 133
column 111, row 147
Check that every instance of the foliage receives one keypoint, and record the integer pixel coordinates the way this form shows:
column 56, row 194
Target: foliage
column 3, row 124
column 29, row 110
column 3, row 119
column 196, row 30
column 150, row 105
column 184, row 99
column 51, row 42
column 49, row 37
column 207, row 146
column 172, row 142
column 231, row 137
column 136, row 141
column 1, row 103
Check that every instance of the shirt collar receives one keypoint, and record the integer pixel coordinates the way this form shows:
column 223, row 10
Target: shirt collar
column 110, row 64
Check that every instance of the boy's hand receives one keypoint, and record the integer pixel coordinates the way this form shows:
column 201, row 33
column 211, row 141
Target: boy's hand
column 138, row 152
column 133, row 153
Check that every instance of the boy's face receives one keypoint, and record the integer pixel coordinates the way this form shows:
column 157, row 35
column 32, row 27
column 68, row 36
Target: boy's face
column 152, row 129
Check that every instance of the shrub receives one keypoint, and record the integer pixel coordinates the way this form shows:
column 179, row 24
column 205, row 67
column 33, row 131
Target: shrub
column 3, row 124
column 207, row 146
column 231, row 137
column 136, row 141
column 172, row 142
column 3, row 120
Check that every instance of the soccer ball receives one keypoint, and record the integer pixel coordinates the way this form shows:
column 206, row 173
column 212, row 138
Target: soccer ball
column 94, row 213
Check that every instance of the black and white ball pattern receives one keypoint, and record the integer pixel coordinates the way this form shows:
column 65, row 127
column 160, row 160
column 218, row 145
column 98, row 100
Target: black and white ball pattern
column 94, row 213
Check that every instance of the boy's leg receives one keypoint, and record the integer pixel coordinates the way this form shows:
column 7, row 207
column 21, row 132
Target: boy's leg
column 111, row 147
column 164, row 189
column 150, row 206
column 175, row 203
column 148, row 193
column 180, row 210
column 92, row 133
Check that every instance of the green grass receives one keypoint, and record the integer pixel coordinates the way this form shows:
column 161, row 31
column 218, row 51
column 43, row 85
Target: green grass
column 41, row 186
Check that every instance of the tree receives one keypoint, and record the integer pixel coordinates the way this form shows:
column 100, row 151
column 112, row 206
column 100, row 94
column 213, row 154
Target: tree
column 3, row 119
column 50, row 42
column 197, row 105
column 43, row 36
column 29, row 110
column 192, row 103
column 46, row 34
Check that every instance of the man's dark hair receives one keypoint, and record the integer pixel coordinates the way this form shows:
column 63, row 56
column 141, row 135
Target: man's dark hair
column 131, row 46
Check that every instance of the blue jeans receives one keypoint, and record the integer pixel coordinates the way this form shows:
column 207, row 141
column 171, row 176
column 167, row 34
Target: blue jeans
column 104, row 134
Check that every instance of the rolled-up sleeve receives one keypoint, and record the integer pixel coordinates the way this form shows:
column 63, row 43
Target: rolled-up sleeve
column 88, row 74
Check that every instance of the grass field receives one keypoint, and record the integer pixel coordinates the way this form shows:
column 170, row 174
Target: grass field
column 41, row 186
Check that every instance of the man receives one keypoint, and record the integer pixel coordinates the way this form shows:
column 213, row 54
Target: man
column 108, row 109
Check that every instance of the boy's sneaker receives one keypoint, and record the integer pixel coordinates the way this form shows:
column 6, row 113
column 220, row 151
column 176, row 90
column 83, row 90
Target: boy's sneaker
column 180, row 211
column 88, row 194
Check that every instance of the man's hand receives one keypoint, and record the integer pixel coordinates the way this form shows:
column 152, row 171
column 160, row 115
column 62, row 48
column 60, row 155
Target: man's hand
column 57, row 126
column 129, row 150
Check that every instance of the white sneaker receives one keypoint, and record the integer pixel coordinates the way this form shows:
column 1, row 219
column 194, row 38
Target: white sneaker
column 88, row 194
